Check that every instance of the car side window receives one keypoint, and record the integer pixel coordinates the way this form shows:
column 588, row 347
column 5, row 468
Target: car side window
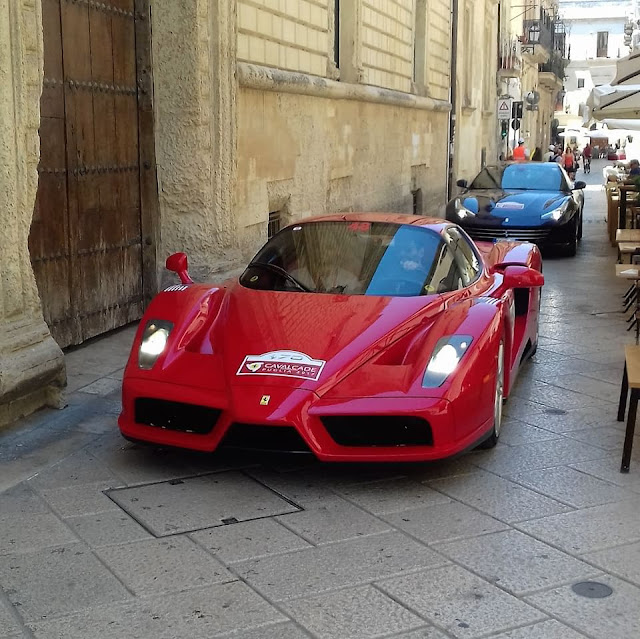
column 464, row 255
column 446, row 273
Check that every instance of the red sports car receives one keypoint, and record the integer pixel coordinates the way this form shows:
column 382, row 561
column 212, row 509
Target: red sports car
column 359, row 337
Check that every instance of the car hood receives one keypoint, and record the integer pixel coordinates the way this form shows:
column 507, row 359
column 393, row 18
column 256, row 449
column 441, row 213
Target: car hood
column 309, row 340
column 513, row 207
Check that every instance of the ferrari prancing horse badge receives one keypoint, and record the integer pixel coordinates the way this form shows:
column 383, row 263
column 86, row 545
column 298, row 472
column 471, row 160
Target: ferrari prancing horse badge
column 265, row 400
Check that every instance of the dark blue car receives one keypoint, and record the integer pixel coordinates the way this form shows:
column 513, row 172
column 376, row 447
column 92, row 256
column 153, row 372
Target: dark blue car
column 532, row 201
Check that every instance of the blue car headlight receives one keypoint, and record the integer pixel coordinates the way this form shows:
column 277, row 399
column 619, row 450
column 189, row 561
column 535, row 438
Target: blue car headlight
column 445, row 359
column 154, row 342
column 461, row 210
column 558, row 213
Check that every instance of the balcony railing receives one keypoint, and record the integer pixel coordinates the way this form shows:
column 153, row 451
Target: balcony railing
column 509, row 57
column 556, row 64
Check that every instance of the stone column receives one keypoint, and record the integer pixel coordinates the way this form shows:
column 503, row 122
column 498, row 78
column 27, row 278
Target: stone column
column 31, row 363
column 194, row 63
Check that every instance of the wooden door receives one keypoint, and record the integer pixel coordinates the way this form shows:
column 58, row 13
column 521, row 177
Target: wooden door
column 92, row 241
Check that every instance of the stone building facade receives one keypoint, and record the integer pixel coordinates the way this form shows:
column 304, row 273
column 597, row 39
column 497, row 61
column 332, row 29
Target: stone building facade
column 264, row 112
column 531, row 66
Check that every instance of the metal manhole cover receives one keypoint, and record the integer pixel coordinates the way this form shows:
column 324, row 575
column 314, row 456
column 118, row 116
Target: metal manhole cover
column 193, row 503
column 592, row 589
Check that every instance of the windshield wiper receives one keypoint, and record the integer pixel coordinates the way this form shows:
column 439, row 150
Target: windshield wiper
column 274, row 268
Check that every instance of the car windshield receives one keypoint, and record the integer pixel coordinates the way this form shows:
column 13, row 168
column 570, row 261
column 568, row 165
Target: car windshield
column 530, row 176
column 353, row 258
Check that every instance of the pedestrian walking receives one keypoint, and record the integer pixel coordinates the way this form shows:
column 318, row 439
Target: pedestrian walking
column 520, row 153
column 568, row 161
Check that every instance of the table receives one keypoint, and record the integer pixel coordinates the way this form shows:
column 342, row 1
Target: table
column 622, row 209
column 628, row 235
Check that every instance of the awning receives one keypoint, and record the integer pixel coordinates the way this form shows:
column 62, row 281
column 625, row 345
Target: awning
column 629, row 125
column 621, row 101
column 628, row 69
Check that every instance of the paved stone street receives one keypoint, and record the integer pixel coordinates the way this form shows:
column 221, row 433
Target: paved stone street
column 100, row 538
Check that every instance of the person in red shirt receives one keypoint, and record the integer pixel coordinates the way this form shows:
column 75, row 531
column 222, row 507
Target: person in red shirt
column 587, row 153
column 568, row 161
column 520, row 153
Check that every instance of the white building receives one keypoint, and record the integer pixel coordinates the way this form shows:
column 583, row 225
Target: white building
column 596, row 36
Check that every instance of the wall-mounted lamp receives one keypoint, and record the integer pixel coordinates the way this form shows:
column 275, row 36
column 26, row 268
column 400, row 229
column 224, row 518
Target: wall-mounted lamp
column 534, row 33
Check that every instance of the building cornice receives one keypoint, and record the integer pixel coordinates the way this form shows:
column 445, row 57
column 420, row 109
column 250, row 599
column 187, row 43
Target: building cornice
column 253, row 76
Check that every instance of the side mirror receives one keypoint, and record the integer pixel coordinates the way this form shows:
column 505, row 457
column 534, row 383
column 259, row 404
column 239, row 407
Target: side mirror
column 179, row 264
column 522, row 277
column 462, row 183
column 579, row 185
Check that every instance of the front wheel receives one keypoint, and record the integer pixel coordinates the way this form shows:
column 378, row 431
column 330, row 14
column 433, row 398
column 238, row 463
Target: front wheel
column 572, row 247
column 498, row 400
column 580, row 225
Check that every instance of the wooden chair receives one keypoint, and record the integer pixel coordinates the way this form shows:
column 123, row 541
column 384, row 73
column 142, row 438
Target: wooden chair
column 613, row 204
column 630, row 380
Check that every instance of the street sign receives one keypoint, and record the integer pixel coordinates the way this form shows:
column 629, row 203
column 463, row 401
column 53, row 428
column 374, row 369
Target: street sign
column 515, row 124
column 504, row 108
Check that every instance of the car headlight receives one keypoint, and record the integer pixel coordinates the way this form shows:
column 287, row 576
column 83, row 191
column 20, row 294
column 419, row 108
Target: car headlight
column 461, row 210
column 445, row 359
column 558, row 213
column 154, row 342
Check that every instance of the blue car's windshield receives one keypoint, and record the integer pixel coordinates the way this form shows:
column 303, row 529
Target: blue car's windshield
column 353, row 258
column 530, row 176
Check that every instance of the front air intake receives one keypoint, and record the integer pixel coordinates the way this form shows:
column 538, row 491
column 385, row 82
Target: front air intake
column 186, row 418
column 378, row 430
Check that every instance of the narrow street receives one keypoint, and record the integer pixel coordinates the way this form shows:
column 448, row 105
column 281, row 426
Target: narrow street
column 101, row 538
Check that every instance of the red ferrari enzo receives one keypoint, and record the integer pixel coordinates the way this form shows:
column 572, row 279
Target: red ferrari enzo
column 359, row 337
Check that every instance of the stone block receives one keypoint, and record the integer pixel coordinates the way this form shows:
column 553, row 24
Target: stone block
column 572, row 487
column 517, row 563
column 612, row 617
column 444, row 522
column 107, row 528
column 551, row 629
column 189, row 504
column 9, row 625
column 58, row 581
column 163, row 565
column 351, row 563
column 24, row 532
column 394, row 495
column 220, row 610
column 557, row 452
column 591, row 529
column 75, row 501
column 358, row 613
column 498, row 497
column 249, row 540
column 331, row 521
column 460, row 602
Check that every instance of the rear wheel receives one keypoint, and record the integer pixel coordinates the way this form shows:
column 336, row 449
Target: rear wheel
column 498, row 400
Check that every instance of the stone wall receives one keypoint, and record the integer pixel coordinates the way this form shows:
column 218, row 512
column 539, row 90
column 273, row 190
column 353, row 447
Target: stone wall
column 332, row 149
column 31, row 364
column 477, row 86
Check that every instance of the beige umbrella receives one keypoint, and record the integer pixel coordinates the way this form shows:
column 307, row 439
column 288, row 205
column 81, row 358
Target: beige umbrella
column 628, row 70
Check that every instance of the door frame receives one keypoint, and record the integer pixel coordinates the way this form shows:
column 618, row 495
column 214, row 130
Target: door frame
column 149, row 207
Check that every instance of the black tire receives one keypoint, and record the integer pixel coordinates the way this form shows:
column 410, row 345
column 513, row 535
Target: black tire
column 498, row 401
column 572, row 248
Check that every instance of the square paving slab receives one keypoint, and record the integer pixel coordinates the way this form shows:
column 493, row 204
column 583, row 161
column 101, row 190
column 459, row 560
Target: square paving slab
column 195, row 503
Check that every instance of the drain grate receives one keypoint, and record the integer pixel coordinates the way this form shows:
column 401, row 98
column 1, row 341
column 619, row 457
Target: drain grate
column 592, row 589
column 195, row 503
column 554, row 411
